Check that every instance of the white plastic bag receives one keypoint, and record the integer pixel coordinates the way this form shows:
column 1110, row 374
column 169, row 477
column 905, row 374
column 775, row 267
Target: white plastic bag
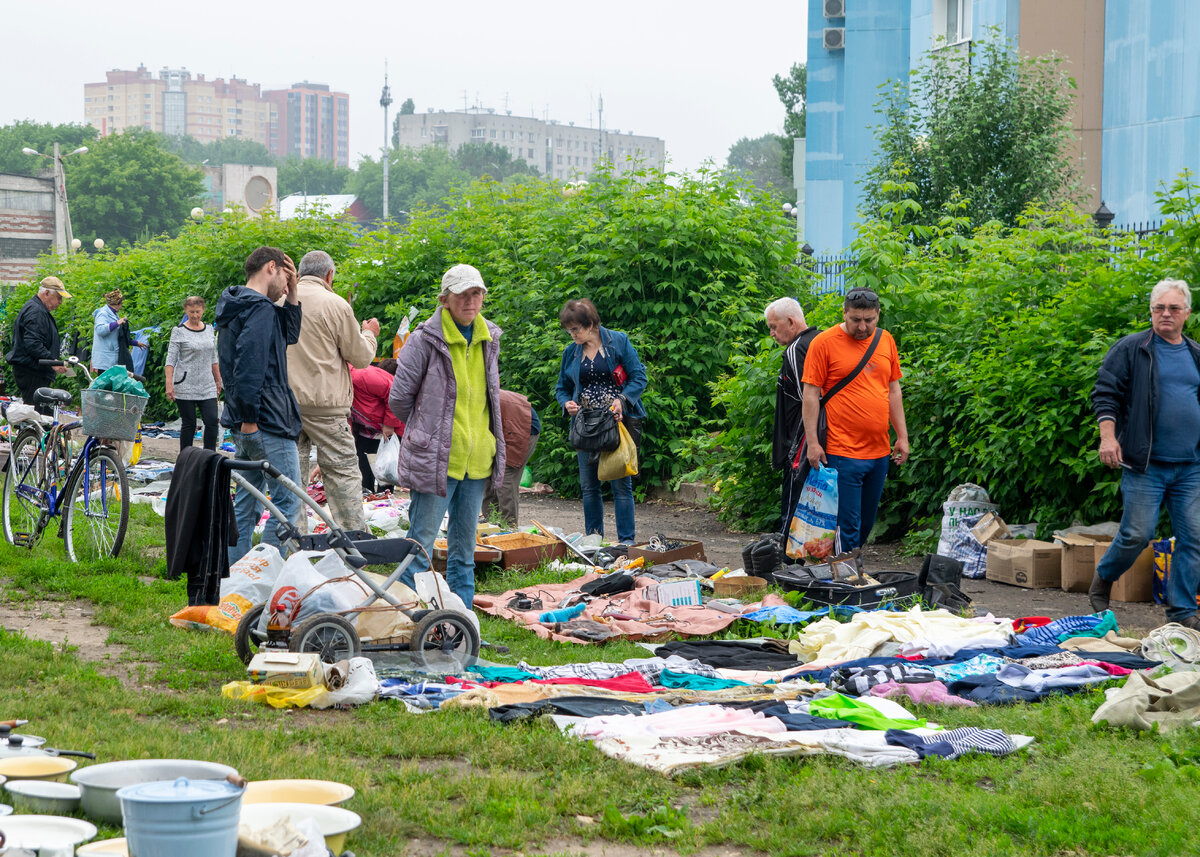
column 386, row 466
column 965, row 501
column 296, row 595
column 356, row 684
column 250, row 581
column 432, row 588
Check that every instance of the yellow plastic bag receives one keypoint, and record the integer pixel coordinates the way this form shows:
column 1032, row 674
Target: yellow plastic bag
column 276, row 697
column 622, row 461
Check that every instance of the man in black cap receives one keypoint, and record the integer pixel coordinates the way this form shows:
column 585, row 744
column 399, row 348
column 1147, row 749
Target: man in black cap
column 36, row 338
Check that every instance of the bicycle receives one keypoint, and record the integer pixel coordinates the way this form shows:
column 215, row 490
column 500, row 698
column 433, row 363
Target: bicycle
column 93, row 507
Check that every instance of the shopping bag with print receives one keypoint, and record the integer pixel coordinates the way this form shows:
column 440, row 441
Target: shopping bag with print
column 813, row 533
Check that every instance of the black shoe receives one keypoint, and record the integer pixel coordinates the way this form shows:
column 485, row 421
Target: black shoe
column 1192, row 622
column 1098, row 594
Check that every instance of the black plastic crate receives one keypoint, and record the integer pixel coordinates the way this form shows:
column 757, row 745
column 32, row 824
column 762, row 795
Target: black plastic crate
column 901, row 588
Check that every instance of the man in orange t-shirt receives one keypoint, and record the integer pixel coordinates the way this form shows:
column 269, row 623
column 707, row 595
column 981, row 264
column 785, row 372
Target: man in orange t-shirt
column 857, row 443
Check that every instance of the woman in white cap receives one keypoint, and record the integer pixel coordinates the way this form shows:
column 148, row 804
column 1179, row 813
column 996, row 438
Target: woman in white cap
column 447, row 393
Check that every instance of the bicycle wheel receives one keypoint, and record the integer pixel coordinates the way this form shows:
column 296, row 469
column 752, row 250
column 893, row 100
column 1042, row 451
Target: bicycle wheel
column 97, row 510
column 24, row 491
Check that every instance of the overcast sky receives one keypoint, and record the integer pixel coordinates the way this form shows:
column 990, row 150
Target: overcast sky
column 696, row 73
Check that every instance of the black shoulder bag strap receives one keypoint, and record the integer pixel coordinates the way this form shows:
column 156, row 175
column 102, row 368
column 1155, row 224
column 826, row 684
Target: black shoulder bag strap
column 866, row 358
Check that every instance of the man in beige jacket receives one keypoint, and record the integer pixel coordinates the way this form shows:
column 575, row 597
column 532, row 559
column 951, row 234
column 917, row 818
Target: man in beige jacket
column 330, row 338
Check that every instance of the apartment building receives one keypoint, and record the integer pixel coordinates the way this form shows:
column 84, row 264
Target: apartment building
column 313, row 122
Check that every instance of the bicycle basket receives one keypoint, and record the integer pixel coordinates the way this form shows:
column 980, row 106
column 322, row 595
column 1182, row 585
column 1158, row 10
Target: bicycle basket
column 113, row 416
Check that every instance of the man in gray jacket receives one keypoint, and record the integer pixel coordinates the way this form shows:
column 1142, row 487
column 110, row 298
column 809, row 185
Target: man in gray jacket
column 320, row 379
column 447, row 392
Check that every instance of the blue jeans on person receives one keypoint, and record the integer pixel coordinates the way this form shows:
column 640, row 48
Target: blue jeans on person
column 593, row 502
column 463, row 499
column 860, row 485
column 1178, row 486
column 281, row 452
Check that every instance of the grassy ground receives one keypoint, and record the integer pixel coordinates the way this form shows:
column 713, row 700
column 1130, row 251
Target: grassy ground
column 454, row 782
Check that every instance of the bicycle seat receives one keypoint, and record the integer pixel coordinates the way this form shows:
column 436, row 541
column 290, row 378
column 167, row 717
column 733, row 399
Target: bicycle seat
column 46, row 395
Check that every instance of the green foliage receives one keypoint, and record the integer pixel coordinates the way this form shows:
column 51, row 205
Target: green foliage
column 793, row 93
column 227, row 150
column 312, row 176
column 759, row 161
column 408, row 108
column 128, row 188
column 489, row 160
column 989, row 127
column 683, row 264
column 417, row 179
column 157, row 275
column 665, row 821
column 1001, row 332
column 41, row 137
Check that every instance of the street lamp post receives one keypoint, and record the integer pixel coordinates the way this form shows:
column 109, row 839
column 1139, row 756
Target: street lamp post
column 385, row 101
column 60, row 182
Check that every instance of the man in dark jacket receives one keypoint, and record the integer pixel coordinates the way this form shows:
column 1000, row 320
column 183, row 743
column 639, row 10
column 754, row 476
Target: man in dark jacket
column 1147, row 402
column 252, row 339
column 786, row 324
column 35, row 337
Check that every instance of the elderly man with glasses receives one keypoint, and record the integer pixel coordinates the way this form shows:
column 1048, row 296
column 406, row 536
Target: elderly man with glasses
column 1147, row 403
column 858, row 412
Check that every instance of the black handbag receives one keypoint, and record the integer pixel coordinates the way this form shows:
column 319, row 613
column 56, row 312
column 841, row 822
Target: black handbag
column 594, row 430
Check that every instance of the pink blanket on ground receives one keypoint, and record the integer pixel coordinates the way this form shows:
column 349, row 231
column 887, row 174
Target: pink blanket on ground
column 652, row 621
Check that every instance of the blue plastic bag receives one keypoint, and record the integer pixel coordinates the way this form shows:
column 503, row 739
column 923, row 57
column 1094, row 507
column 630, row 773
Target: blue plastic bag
column 813, row 532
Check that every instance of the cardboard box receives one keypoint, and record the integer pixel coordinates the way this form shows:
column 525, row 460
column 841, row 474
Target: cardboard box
column 1082, row 553
column 689, row 550
column 526, row 550
column 991, row 526
column 1025, row 562
column 287, row 669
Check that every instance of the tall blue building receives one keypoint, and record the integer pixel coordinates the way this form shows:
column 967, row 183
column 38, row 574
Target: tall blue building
column 1137, row 110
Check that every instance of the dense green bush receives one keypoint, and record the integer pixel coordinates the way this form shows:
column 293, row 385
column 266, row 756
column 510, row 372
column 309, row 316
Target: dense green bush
column 1000, row 333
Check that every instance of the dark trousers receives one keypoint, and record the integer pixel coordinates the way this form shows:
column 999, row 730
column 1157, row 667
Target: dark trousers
column 28, row 380
column 187, row 417
column 365, row 446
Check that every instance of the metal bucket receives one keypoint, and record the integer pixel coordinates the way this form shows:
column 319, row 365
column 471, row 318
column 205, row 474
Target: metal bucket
column 182, row 818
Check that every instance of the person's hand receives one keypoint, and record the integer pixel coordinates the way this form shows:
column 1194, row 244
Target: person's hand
column 616, row 409
column 387, row 431
column 122, row 320
column 1110, row 452
column 371, row 325
column 315, row 476
column 171, row 392
column 249, row 428
column 141, row 345
column 816, row 454
column 220, row 386
column 900, row 451
column 289, row 270
column 571, row 407
column 62, row 370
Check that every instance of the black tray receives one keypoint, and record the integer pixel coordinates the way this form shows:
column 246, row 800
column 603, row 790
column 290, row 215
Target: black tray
column 894, row 587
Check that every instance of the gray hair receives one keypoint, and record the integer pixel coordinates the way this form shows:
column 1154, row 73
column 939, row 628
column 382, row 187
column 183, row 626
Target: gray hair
column 785, row 308
column 1165, row 286
column 316, row 263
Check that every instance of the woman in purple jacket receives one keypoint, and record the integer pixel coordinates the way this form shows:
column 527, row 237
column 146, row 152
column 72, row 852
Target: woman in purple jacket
column 447, row 393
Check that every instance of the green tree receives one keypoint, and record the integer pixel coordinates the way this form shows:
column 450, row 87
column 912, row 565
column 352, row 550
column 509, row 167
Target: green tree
column 128, row 188
column 408, row 108
column 42, row 137
column 227, row 150
column 990, row 128
column 491, row 160
column 312, row 176
column 417, row 178
column 793, row 92
column 760, row 162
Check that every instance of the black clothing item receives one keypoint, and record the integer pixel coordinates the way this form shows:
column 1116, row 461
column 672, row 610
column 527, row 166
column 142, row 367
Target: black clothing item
column 253, row 336
column 27, row 383
column 199, row 524
column 789, row 399
column 609, row 584
column 1126, row 392
column 365, row 446
column 187, row 419
column 575, row 706
column 124, row 343
column 734, row 654
column 35, row 337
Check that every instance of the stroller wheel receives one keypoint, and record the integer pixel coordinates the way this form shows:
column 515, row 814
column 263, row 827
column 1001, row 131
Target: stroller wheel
column 245, row 642
column 444, row 639
column 328, row 635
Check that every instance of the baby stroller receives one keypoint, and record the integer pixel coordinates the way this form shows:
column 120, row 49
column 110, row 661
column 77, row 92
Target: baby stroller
column 433, row 636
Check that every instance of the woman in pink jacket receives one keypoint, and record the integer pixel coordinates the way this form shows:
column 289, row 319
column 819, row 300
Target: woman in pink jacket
column 370, row 418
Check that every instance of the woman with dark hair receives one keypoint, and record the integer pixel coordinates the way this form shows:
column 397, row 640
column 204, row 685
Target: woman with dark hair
column 370, row 417
column 600, row 369
column 193, row 374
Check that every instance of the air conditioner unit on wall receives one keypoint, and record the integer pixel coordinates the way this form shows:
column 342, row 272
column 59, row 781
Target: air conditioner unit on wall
column 833, row 8
column 834, row 38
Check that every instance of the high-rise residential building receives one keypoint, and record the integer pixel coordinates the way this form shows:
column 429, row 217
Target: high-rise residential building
column 557, row 151
column 307, row 120
column 176, row 102
column 313, row 122
column 1136, row 114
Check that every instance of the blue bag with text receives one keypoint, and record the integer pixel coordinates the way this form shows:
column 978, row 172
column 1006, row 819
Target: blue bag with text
column 813, row 532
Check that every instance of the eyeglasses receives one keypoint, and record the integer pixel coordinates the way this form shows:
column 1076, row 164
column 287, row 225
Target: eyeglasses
column 1160, row 309
column 573, row 330
column 862, row 294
